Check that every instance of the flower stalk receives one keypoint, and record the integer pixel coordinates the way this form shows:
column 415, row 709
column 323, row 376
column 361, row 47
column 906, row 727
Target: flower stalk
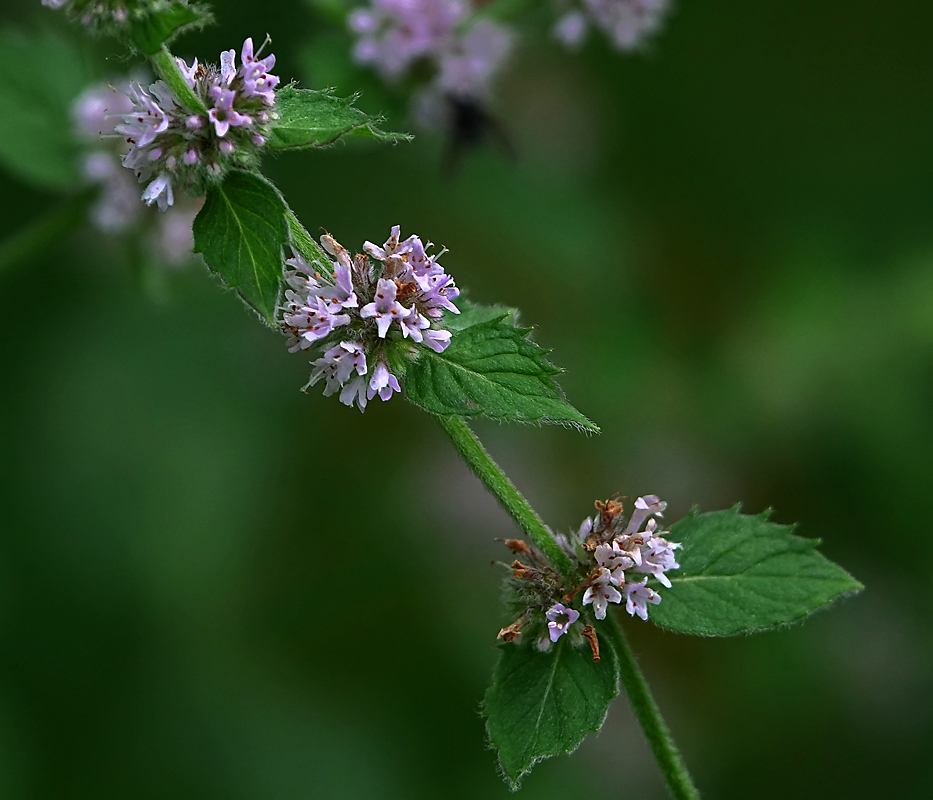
column 166, row 67
column 495, row 480
column 649, row 717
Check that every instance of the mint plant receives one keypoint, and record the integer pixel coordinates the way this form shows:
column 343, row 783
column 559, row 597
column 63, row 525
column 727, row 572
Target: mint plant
column 390, row 320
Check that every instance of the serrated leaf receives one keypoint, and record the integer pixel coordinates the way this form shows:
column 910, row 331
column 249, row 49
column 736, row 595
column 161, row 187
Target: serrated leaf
column 742, row 574
column 241, row 231
column 490, row 369
column 150, row 32
column 316, row 118
column 36, row 138
column 544, row 704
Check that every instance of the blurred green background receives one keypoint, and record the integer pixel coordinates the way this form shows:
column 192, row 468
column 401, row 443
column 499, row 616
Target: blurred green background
column 215, row 586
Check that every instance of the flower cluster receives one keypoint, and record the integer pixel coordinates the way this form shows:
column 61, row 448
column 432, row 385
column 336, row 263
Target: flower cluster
column 172, row 144
column 114, row 16
column 358, row 310
column 117, row 209
column 606, row 551
column 627, row 23
column 463, row 57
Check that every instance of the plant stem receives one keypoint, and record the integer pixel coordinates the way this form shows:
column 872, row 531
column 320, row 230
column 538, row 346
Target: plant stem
column 649, row 717
column 495, row 480
column 39, row 233
column 167, row 69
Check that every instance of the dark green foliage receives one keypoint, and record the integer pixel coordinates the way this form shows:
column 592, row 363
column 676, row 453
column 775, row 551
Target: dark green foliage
column 741, row 574
column 241, row 231
column 543, row 704
column 316, row 118
column 490, row 369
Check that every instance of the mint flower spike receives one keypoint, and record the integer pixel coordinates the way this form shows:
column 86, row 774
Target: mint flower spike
column 627, row 23
column 375, row 300
column 170, row 146
column 601, row 553
column 637, row 597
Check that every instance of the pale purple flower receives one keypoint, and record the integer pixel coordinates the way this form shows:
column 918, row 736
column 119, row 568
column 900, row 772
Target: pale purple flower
column 467, row 68
column 383, row 383
column 413, row 325
column 117, row 206
column 601, row 592
column 585, row 529
column 393, row 245
column 159, row 191
column 436, row 340
column 223, row 114
column 256, row 77
column 93, row 111
column 570, row 29
column 614, row 559
column 437, row 293
column 637, row 597
column 338, row 364
column 645, row 507
column 355, row 392
column 302, row 277
column 188, row 73
column 385, row 308
column 627, row 23
column 309, row 320
column 657, row 556
column 396, row 33
column 146, row 117
column 560, row 618
column 340, row 294
column 227, row 67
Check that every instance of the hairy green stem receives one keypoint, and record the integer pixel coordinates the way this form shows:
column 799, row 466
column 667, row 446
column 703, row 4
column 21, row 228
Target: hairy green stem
column 163, row 62
column 649, row 717
column 495, row 480
column 44, row 231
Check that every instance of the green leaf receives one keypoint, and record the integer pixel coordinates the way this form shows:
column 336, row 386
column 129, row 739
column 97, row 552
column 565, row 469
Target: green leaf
column 490, row 369
column 150, row 32
column 543, row 704
column 36, row 139
column 241, row 231
column 315, row 118
column 742, row 574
